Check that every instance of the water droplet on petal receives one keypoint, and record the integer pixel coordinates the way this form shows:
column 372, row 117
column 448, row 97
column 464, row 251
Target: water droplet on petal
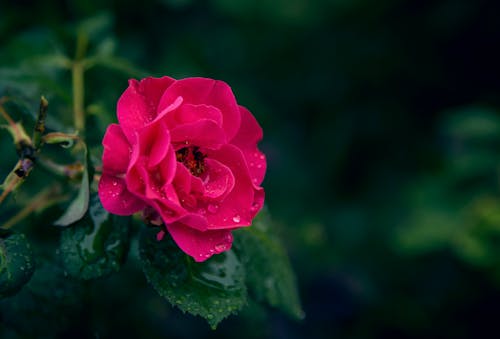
column 259, row 166
column 262, row 157
column 228, row 238
column 252, row 164
column 221, row 247
column 237, row 218
column 254, row 207
column 212, row 208
column 115, row 183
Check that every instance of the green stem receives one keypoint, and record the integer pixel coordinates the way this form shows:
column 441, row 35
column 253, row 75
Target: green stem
column 78, row 96
column 77, row 70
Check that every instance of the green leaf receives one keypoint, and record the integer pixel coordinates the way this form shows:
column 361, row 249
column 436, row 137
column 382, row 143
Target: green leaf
column 97, row 244
column 16, row 263
column 80, row 205
column 213, row 289
column 269, row 275
column 45, row 305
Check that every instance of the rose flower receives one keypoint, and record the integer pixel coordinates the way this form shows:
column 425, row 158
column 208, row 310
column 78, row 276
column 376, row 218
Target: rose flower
column 185, row 153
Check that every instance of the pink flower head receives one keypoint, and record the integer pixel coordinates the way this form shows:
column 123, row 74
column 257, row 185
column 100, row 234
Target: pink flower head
column 185, row 153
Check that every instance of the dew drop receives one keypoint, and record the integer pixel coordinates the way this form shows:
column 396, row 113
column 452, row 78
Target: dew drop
column 212, row 208
column 252, row 164
column 237, row 218
column 228, row 237
column 262, row 157
column 115, row 183
column 221, row 247
column 259, row 166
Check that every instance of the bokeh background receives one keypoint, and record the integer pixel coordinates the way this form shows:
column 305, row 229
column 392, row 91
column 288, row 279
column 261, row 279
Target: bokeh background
column 382, row 131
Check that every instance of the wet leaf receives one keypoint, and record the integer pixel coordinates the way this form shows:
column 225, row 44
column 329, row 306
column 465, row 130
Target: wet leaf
column 79, row 206
column 213, row 289
column 97, row 244
column 269, row 277
column 16, row 263
column 45, row 305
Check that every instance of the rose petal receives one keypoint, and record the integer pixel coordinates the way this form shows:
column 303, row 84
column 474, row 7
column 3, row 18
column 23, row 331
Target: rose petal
column 248, row 136
column 187, row 186
column 138, row 104
column 168, row 166
column 200, row 245
column 234, row 210
column 207, row 92
column 116, row 198
column 220, row 180
column 116, row 154
column 258, row 202
column 250, row 132
column 190, row 113
column 158, row 140
column 202, row 133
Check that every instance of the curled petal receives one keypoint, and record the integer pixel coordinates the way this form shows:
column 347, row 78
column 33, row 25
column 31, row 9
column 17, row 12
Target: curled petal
column 138, row 104
column 207, row 92
column 202, row 133
column 248, row 136
column 200, row 245
column 234, row 209
column 219, row 180
column 250, row 132
column 116, row 154
column 116, row 198
column 190, row 113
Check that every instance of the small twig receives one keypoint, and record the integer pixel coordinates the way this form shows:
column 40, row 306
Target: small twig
column 42, row 200
column 10, row 187
column 40, row 123
column 71, row 171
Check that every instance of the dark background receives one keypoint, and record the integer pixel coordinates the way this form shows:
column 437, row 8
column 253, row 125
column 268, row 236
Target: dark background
column 381, row 127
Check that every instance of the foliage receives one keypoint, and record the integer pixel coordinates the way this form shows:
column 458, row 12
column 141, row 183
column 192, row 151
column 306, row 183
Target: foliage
column 381, row 133
column 51, row 195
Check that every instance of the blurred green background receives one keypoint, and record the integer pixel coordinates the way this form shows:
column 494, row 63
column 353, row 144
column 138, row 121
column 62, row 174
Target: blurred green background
column 382, row 131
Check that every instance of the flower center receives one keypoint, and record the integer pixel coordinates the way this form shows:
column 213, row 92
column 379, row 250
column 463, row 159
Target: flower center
column 193, row 159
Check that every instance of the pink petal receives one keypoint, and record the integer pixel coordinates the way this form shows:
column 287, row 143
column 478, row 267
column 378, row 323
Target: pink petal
column 138, row 104
column 157, row 139
column 220, row 180
column 234, row 209
column 202, row 133
column 248, row 136
column 258, row 202
column 116, row 198
column 168, row 166
column 188, row 187
column 257, row 165
column 190, row 113
column 206, row 92
column 200, row 245
column 116, row 154
column 169, row 210
column 194, row 220
column 250, row 132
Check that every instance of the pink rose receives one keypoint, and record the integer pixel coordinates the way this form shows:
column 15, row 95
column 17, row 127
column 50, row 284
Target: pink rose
column 185, row 153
